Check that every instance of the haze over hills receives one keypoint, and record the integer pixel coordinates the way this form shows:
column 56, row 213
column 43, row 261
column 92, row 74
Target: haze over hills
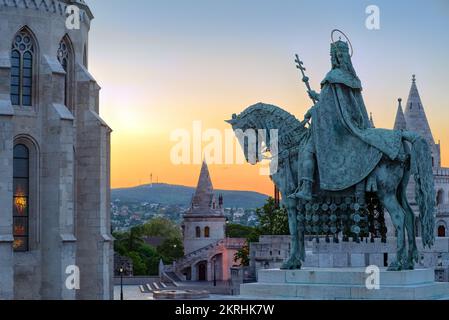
column 167, row 194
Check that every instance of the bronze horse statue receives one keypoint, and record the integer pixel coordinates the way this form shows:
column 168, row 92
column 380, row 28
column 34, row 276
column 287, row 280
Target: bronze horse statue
column 388, row 181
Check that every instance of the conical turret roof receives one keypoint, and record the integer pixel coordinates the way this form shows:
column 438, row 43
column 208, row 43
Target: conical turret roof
column 204, row 194
column 400, row 123
column 415, row 115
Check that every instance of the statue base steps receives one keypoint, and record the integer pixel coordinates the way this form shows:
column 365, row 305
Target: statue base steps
column 345, row 284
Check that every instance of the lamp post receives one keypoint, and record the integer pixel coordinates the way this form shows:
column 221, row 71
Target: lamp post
column 121, row 282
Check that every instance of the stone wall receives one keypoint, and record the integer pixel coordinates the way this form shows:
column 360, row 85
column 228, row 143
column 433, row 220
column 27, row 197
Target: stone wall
column 69, row 147
column 272, row 251
column 350, row 254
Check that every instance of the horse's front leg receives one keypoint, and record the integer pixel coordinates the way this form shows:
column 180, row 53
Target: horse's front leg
column 297, row 240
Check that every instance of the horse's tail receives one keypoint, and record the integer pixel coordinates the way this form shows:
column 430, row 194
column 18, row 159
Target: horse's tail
column 421, row 168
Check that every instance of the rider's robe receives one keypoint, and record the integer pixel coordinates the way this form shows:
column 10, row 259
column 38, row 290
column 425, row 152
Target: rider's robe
column 347, row 148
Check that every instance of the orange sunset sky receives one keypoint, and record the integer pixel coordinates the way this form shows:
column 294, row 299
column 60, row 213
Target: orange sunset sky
column 164, row 64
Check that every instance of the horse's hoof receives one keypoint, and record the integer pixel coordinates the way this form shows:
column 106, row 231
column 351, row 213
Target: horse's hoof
column 292, row 264
column 395, row 266
column 414, row 256
column 410, row 266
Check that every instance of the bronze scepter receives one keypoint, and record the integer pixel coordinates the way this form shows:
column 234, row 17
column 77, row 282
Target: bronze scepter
column 305, row 79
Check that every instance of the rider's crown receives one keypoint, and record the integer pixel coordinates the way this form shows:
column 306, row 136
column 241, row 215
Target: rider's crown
column 339, row 47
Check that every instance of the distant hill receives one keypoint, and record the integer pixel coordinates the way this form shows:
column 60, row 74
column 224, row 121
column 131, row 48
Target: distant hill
column 167, row 194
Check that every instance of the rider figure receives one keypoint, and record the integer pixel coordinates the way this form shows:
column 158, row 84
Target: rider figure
column 343, row 145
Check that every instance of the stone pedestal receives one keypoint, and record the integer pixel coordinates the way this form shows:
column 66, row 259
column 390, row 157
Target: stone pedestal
column 345, row 284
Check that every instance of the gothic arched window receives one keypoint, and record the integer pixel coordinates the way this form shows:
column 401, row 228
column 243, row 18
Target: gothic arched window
column 65, row 57
column 22, row 53
column 207, row 232
column 198, row 232
column 21, row 169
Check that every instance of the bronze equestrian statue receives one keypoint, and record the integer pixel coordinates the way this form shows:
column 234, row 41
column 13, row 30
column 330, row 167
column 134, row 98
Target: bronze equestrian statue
column 334, row 174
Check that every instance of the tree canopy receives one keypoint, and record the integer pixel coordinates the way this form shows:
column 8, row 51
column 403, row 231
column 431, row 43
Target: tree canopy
column 146, row 257
column 161, row 227
column 272, row 221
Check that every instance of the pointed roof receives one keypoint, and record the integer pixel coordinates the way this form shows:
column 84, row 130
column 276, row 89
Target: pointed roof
column 415, row 115
column 203, row 202
column 400, row 123
column 204, row 193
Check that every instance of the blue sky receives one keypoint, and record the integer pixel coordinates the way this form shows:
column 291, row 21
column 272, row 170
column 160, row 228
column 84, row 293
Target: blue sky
column 163, row 64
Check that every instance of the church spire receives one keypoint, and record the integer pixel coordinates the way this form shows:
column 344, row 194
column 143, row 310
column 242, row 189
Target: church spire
column 399, row 123
column 415, row 116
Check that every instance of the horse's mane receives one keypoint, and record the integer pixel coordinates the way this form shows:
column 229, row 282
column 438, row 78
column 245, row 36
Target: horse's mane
column 288, row 124
column 269, row 108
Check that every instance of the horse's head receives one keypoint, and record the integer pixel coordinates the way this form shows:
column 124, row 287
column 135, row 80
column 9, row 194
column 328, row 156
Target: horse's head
column 246, row 129
column 254, row 142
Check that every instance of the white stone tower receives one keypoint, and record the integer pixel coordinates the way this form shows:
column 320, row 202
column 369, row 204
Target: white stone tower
column 54, row 155
column 414, row 119
column 204, row 223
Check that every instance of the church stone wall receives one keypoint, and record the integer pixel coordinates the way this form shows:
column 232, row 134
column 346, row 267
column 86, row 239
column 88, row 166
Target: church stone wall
column 69, row 162
column 6, row 145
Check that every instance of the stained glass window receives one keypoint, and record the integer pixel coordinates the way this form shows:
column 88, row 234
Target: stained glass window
column 22, row 69
column 207, row 232
column 21, row 198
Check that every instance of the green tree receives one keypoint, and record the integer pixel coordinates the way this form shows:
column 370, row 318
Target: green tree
column 128, row 241
column 272, row 220
column 243, row 256
column 161, row 227
column 145, row 257
column 171, row 250
column 139, row 265
column 234, row 230
column 133, row 238
column 119, row 245
column 151, row 258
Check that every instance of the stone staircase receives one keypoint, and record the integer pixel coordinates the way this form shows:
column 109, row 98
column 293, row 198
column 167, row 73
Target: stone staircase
column 229, row 243
column 156, row 286
column 174, row 277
